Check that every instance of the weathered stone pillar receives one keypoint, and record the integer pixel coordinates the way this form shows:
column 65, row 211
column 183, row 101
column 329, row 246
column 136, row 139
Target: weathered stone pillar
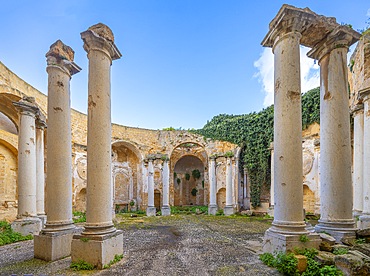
column 358, row 154
column 27, row 221
column 335, row 175
column 288, row 224
column 229, row 207
column 54, row 242
column 212, row 207
column 106, row 241
column 40, row 171
column 246, row 190
column 272, row 186
column 165, row 210
column 150, row 210
column 364, row 221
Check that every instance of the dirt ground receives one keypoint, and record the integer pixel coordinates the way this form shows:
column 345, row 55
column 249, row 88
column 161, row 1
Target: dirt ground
column 175, row 245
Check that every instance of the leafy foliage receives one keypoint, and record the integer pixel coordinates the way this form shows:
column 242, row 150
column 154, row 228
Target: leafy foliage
column 7, row 235
column 81, row 265
column 196, row 174
column 79, row 216
column 253, row 132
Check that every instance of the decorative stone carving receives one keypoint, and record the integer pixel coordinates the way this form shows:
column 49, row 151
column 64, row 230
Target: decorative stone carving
column 308, row 159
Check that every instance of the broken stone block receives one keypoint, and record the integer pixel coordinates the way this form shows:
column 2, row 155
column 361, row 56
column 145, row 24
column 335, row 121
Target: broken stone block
column 327, row 238
column 302, row 263
column 325, row 246
column 351, row 264
column 325, row 258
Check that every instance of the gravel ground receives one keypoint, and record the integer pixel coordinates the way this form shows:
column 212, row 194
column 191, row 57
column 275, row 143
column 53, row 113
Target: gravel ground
column 175, row 245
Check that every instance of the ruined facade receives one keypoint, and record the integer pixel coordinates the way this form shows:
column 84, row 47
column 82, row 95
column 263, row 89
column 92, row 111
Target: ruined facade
column 131, row 150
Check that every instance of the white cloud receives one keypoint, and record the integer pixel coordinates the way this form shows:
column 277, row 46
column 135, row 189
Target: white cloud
column 368, row 12
column 310, row 74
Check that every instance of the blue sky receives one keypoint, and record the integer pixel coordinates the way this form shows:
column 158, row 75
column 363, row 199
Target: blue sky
column 184, row 61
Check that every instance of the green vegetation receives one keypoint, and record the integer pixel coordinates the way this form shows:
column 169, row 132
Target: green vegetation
column 178, row 180
column 287, row 263
column 340, row 251
column 187, row 176
column 79, row 217
column 81, row 265
column 253, row 132
column 187, row 210
column 360, row 241
column 194, row 191
column 196, row 174
column 7, row 235
column 303, row 238
column 116, row 259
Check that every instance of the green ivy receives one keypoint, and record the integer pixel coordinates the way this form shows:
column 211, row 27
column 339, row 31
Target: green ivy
column 253, row 132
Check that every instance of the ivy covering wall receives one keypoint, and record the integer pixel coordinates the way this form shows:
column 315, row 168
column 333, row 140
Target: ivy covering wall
column 253, row 132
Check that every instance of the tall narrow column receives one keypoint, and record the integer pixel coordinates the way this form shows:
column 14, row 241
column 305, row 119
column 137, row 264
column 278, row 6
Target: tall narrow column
column 166, row 211
column 40, row 172
column 150, row 210
column 27, row 221
column 229, row 207
column 108, row 242
column 272, row 186
column 335, row 143
column 288, row 224
column 246, row 201
column 54, row 242
column 212, row 207
column 358, row 154
column 365, row 217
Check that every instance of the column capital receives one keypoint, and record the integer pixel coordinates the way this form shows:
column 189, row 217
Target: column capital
column 357, row 109
column 27, row 106
column 41, row 121
column 365, row 94
column 100, row 37
column 61, row 56
column 341, row 37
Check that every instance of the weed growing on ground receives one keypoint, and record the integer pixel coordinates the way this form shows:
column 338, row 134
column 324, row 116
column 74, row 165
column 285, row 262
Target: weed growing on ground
column 116, row 259
column 303, row 238
column 340, row 251
column 81, row 265
column 7, row 235
column 79, row 217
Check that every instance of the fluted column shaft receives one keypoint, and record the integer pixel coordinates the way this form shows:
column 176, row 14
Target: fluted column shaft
column 150, row 184
column 166, row 189
column 212, row 207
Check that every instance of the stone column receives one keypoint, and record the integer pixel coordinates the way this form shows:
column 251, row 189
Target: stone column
column 358, row 154
column 150, row 210
column 54, row 242
column 288, row 224
column 106, row 241
column 246, row 200
column 40, row 172
column 212, row 207
column 364, row 221
column 27, row 221
column 229, row 207
column 272, row 187
column 335, row 142
column 166, row 211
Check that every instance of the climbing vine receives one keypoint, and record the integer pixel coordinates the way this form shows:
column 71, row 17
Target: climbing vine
column 253, row 132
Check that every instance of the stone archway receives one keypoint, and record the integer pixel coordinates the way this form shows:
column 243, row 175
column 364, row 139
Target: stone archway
column 221, row 198
column 189, row 189
column 81, row 200
column 309, row 200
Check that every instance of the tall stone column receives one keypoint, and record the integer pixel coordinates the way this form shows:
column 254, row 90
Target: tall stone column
column 246, row 201
column 106, row 241
column 272, row 186
column 229, row 207
column 150, row 210
column 40, row 172
column 335, row 142
column 212, row 207
column 358, row 154
column 288, row 224
column 54, row 241
column 364, row 221
column 27, row 221
column 166, row 211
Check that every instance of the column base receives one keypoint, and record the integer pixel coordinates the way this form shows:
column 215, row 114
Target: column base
column 338, row 229
column 52, row 246
column 166, row 211
column 151, row 211
column 271, row 211
column 27, row 225
column 212, row 210
column 229, row 210
column 43, row 220
column 364, row 221
column 279, row 242
column 97, row 250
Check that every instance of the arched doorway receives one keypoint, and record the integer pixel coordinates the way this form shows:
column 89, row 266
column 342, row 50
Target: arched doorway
column 221, row 198
column 308, row 199
column 81, row 200
column 189, row 182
